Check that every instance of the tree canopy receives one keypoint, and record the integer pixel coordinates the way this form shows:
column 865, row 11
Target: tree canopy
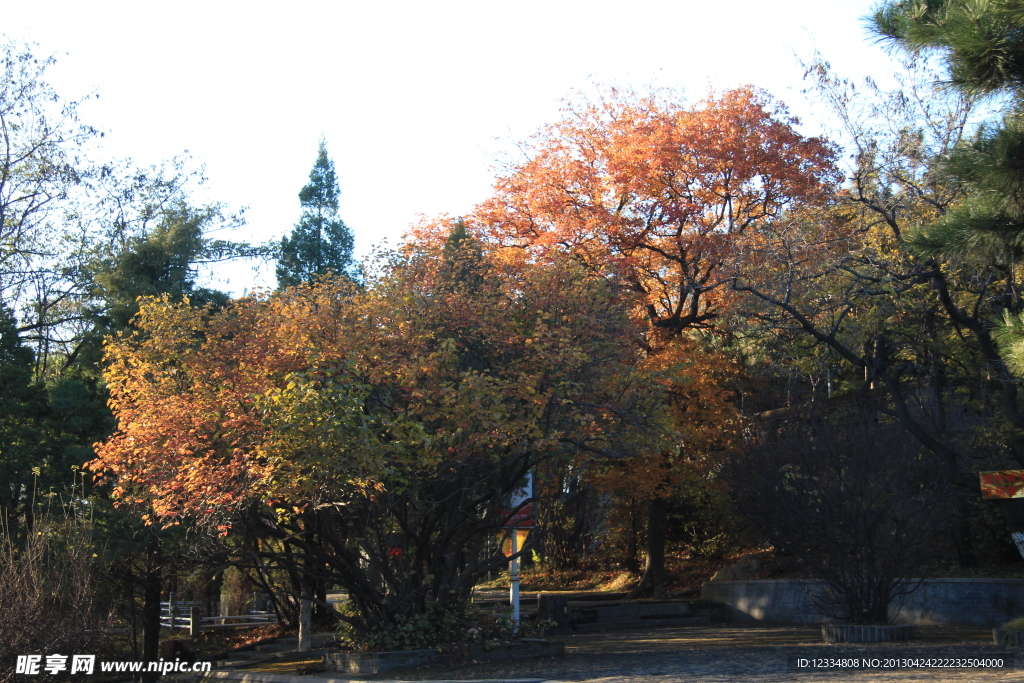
column 406, row 410
column 674, row 200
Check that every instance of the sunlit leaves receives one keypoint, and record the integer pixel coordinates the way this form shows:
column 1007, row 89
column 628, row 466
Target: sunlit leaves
column 308, row 394
column 674, row 196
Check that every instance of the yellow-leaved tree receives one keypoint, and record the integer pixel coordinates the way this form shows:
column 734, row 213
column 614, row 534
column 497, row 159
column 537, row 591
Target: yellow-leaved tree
column 368, row 437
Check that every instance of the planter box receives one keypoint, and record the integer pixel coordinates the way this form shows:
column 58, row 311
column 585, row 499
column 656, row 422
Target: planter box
column 381, row 662
column 1007, row 638
column 855, row 633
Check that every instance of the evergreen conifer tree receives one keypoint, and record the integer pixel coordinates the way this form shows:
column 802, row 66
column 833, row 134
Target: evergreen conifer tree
column 321, row 242
column 982, row 44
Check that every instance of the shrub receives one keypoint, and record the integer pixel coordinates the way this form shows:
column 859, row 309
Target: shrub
column 47, row 601
column 855, row 499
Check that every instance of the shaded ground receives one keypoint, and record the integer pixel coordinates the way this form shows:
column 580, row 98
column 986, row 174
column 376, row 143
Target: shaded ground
column 721, row 654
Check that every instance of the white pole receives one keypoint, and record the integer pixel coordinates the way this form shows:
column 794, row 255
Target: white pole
column 305, row 619
column 513, row 574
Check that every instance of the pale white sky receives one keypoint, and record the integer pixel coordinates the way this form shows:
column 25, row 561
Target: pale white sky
column 416, row 100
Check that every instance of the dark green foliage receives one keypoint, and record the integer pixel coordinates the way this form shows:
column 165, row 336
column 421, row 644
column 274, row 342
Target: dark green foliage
column 464, row 257
column 44, row 434
column 982, row 44
column 78, row 409
column 160, row 261
column 701, row 517
column 320, row 243
column 571, row 518
column 23, row 411
column 981, row 233
column 983, row 41
column 987, row 226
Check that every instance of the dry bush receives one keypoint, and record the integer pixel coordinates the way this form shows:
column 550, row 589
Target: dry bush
column 47, row 603
column 855, row 500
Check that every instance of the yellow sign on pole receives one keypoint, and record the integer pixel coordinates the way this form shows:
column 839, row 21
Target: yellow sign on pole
column 506, row 544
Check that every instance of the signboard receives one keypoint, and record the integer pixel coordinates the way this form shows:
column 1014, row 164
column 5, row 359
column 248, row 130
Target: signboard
column 1004, row 484
column 523, row 517
column 520, row 540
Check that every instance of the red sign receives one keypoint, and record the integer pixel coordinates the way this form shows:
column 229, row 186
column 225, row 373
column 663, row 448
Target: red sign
column 522, row 519
column 1004, row 484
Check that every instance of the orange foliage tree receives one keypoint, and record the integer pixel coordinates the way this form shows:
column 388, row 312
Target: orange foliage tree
column 373, row 434
column 674, row 200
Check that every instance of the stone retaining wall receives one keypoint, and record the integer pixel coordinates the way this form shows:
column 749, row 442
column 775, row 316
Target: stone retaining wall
column 946, row 602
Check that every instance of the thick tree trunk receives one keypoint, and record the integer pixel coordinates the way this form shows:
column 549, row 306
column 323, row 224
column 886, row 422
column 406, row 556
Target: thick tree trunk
column 151, row 617
column 653, row 581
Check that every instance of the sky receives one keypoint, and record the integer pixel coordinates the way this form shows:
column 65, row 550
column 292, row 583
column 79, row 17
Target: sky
column 418, row 102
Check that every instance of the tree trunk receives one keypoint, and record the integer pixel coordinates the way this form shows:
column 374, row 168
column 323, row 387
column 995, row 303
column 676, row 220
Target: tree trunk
column 151, row 616
column 321, row 614
column 653, row 581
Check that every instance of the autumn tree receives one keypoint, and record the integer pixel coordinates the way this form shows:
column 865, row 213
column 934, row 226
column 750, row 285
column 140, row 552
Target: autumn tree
column 80, row 239
column 368, row 437
column 151, row 241
column 321, row 242
column 673, row 199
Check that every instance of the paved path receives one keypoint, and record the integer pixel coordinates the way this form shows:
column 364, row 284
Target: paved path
column 730, row 654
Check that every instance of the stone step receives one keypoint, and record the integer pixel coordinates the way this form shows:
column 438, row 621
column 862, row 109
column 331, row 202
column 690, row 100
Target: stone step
column 277, row 647
column 240, row 655
column 234, row 660
column 623, row 625
column 500, row 598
